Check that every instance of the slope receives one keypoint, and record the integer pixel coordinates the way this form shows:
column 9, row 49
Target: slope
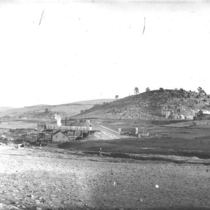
column 3, row 109
column 48, row 111
column 153, row 105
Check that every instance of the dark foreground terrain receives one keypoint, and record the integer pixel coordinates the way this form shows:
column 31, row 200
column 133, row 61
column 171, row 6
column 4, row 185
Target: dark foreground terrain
column 187, row 139
column 51, row 178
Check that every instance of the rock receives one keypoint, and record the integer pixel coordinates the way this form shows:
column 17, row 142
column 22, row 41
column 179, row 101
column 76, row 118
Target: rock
column 7, row 207
column 41, row 199
column 37, row 202
column 30, row 196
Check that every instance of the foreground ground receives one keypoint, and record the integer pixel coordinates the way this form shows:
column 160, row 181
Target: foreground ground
column 52, row 178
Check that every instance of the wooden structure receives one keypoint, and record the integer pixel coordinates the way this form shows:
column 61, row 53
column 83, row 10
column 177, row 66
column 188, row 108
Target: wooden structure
column 46, row 133
column 59, row 136
column 201, row 116
column 134, row 131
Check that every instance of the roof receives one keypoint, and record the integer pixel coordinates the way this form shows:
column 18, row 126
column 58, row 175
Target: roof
column 41, row 123
column 58, row 132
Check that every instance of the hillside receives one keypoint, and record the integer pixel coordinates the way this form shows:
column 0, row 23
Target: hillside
column 153, row 105
column 48, row 111
column 3, row 109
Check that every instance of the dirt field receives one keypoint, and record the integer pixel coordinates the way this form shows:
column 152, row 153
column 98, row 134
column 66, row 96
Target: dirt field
column 50, row 178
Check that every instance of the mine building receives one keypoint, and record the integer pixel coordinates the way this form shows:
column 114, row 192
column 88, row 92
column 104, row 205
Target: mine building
column 64, row 131
column 59, row 136
column 134, row 131
column 201, row 116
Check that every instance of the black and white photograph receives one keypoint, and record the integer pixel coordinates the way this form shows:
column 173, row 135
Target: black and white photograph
column 104, row 104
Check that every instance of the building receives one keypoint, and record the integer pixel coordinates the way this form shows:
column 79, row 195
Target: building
column 59, row 136
column 32, row 132
column 134, row 131
column 200, row 115
column 41, row 126
column 33, row 138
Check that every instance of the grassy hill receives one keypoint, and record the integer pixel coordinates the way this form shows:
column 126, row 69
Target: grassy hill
column 3, row 109
column 153, row 105
column 48, row 111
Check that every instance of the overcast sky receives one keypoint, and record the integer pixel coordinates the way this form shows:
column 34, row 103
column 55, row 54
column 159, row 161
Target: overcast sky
column 53, row 53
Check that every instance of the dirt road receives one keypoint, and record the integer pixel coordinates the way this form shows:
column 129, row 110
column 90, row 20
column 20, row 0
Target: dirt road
column 106, row 133
column 52, row 179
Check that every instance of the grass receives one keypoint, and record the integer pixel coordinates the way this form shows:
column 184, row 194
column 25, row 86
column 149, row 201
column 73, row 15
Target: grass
column 183, row 139
column 188, row 140
column 164, row 146
column 131, row 124
column 70, row 109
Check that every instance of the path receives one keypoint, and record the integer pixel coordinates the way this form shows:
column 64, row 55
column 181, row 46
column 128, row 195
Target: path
column 105, row 133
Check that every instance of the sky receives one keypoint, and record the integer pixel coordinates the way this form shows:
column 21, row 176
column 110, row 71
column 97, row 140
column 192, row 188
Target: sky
column 56, row 52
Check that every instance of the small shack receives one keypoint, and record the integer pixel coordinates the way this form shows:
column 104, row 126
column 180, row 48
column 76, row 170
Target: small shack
column 59, row 136
column 200, row 115
column 134, row 131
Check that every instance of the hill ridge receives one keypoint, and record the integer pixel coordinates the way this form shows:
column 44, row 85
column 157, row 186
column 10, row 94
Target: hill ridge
column 44, row 111
column 153, row 105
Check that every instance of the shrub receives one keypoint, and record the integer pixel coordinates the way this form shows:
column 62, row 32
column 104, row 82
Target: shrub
column 147, row 89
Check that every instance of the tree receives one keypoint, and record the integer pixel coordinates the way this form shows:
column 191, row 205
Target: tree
column 46, row 110
column 181, row 89
column 201, row 91
column 147, row 89
column 136, row 90
column 116, row 97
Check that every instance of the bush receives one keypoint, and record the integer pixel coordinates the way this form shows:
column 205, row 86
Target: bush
column 147, row 89
column 96, row 105
column 182, row 90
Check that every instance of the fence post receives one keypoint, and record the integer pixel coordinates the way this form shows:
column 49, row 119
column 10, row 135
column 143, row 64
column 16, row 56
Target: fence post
column 137, row 130
column 119, row 129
